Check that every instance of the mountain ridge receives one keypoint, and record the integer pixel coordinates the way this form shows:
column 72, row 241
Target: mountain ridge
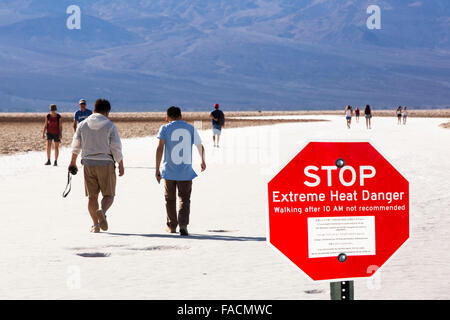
column 145, row 55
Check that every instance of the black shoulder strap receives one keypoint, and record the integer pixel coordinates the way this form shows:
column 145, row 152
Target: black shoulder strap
column 68, row 186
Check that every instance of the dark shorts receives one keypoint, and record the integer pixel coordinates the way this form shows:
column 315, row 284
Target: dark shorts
column 54, row 137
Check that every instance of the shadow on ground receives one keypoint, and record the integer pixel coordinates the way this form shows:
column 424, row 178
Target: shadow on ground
column 191, row 236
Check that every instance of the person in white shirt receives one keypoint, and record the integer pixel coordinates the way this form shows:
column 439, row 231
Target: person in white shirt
column 405, row 115
column 348, row 115
column 97, row 138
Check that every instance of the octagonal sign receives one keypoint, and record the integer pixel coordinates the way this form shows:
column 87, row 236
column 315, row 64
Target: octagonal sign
column 338, row 210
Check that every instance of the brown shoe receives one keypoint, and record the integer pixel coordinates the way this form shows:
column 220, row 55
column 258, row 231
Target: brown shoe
column 95, row 228
column 171, row 230
column 102, row 220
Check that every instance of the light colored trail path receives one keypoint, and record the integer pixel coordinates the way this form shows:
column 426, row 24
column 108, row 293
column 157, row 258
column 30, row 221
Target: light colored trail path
column 45, row 241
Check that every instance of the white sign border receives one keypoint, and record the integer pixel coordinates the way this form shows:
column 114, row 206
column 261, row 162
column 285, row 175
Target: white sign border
column 291, row 157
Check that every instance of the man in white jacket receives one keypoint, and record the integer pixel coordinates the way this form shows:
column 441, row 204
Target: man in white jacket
column 97, row 138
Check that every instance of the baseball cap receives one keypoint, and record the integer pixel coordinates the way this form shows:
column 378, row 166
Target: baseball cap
column 82, row 101
column 216, row 105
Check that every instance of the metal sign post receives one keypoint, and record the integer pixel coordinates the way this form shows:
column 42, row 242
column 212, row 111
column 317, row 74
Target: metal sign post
column 342, row 290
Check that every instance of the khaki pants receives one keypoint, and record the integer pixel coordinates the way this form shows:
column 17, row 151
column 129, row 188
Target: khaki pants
column 184, row 195
column 98, row 179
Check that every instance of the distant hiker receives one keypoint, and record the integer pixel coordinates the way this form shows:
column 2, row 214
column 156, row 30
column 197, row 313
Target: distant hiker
column 218, row 122
column 357, row 114
column 175, row 142
column 53, row 129
column 399, row 115
column 405, row 115
column 368, row 115
column 81, row 114
column 348, row 115
column 97, row 138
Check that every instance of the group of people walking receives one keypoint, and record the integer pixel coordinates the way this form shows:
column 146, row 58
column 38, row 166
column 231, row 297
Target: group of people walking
column 401, row 113
column 367, row 114
column 53, row 128
column 96, row 139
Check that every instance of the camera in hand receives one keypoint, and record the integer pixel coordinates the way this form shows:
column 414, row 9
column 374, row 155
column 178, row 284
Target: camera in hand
column 73, row 170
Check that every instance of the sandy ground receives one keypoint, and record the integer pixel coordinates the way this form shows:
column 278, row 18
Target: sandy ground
column 22, row 132
column 48, row 252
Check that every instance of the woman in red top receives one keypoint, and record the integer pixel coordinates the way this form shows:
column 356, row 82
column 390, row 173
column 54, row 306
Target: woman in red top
column 53, row 128
column 357, row 114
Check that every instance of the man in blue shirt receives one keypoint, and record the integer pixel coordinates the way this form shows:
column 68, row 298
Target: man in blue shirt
column 175, row 142
column 218, row 121
column 81, row 114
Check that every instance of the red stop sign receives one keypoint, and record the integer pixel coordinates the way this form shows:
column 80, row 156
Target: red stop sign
column 338, row 210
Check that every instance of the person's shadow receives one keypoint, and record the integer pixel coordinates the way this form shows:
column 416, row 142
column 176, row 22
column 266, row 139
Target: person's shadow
column 191, row 236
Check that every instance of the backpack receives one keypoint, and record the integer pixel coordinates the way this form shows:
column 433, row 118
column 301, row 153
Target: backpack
column 221, row 119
